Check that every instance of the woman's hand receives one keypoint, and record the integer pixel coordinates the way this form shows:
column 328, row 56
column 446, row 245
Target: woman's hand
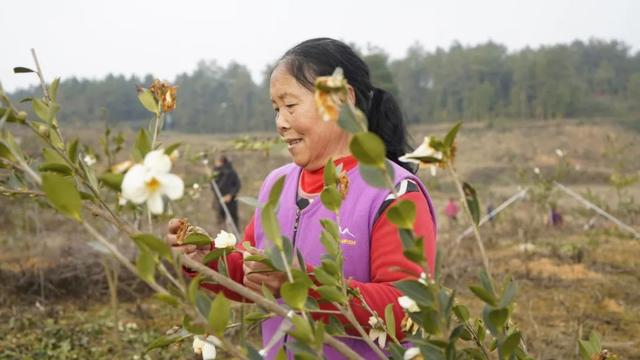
column 195, row 252
column 257, row 274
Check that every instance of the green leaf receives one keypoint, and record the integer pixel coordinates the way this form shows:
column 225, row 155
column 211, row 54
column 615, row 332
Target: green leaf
column 216, row 254
column 331, row 199
column 169, row 150
column 142, row 144
column 587, row 350
column 196, row 238
column 483, row 294
column 41, row 110
column 5, row 153
column 219, row 314
column 348, row 122
column 294, row 294
column 62, row 169
column 166, row 340
column 451, row 135
column 509, row 293
column 167, row 299
column 148, row 101
column 594, row 339
column 302, row 330
column 153, row 243
column 276, row 190
column 72, row 151
column 368, row 148
column 53, row 89
column 389, row 320
column 486, row 282
column 374, row 176
column 21, row 70
column 498, row 318
column 416, row 291
column 192, row 290
column 146, row 265
column 472, row 202
column 188, row 324
column 324, row 277
column 62, row 194
column 509, row 345
column 112, row 180
column 462, row 312
column 330, row 175
column 270, row 224
column 402, row 214
column 335, row 327
column 331, row 293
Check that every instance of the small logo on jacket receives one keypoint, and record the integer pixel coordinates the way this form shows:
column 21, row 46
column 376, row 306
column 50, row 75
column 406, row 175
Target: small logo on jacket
column 347, row 233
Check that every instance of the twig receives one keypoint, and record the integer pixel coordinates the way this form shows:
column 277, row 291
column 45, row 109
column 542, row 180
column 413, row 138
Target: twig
column 40, row 75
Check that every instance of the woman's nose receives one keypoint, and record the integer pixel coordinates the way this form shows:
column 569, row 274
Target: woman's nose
column 282, row 121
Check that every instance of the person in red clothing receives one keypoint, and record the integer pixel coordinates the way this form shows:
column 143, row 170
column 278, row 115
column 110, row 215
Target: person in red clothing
column 311, row 143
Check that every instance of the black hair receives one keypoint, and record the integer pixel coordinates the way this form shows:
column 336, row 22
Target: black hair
column 320, row 57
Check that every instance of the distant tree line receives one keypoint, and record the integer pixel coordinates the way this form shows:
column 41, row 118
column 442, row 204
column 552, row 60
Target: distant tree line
column 593, row 79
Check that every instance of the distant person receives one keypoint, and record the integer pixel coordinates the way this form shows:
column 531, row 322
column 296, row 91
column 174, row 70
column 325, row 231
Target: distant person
column 555, row 217
column 228, row 182
column 451, row 211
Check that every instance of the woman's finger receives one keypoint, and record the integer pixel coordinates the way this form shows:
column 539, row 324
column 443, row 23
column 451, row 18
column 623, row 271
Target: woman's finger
column 174, row 225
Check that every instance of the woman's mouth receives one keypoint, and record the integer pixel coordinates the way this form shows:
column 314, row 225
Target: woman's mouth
column 292, row 142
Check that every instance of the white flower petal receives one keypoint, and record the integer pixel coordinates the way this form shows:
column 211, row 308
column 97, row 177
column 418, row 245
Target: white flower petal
column 155, row 203
column 208, row 351
column 382, row 340
column 197, row 345
column 172, row 185
column 411, row 353
column 133, row 185
column 157, row 162
column 224, row 240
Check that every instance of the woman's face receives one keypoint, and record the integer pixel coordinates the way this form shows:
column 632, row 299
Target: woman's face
column 310, row 140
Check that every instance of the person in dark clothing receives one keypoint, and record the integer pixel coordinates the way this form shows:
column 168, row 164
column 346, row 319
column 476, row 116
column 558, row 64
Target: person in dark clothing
column 228, row 182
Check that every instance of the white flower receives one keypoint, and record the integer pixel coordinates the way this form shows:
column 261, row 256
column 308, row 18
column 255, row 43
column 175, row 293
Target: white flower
column 424, row 150
column 408, row 304
column 206, row 347
column 560, row 153
column 224, row 240
column 536, row 170
column 196, row 186
column 377, row 332
column 89, row 159
column 411, row 353
column 175, row 154
column 121, row 201
column 149, row 181
column 423, row 278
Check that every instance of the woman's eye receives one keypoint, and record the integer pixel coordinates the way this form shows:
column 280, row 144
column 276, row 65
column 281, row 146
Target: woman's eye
column 289, row 106
column 276, row 110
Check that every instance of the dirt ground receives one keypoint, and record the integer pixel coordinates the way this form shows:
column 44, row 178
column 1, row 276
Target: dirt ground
column 573, row 279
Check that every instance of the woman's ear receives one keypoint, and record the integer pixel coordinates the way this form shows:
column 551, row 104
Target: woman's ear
column 351, row 95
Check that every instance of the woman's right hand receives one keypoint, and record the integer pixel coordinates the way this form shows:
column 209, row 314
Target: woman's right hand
column 195, row 252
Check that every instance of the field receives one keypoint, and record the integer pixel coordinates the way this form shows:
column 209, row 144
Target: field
column 579, row 277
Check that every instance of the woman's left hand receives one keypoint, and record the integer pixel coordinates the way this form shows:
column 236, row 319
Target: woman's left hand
column 256, row 275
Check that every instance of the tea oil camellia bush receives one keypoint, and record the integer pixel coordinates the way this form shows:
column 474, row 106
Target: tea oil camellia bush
column 131, row 195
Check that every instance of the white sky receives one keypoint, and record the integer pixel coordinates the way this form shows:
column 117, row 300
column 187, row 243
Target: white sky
column 90, row 39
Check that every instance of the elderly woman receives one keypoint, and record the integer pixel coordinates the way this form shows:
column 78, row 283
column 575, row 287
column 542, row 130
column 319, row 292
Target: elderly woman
column 370, row 244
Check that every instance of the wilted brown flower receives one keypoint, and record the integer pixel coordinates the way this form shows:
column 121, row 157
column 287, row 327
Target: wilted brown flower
column 343, row 185
column 183, row 230
column 165, row 94
column 330, row 94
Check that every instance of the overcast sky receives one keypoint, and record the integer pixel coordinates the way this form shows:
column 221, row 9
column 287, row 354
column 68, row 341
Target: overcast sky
column 93, row 38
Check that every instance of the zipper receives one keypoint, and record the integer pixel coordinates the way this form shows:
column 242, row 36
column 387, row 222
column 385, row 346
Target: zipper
column 295, row 227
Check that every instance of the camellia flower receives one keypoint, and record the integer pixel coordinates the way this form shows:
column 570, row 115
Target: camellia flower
column 377, row 331
column 165, row 94
column 408, row 304
column 205, row 347
column 425, row 156
column 331, row 92
column 89, row 159
column 224, row 240
column 412, row 354
column 149, row 181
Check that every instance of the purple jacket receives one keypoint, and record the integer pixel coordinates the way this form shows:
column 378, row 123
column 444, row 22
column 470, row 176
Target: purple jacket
column 357, row 215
